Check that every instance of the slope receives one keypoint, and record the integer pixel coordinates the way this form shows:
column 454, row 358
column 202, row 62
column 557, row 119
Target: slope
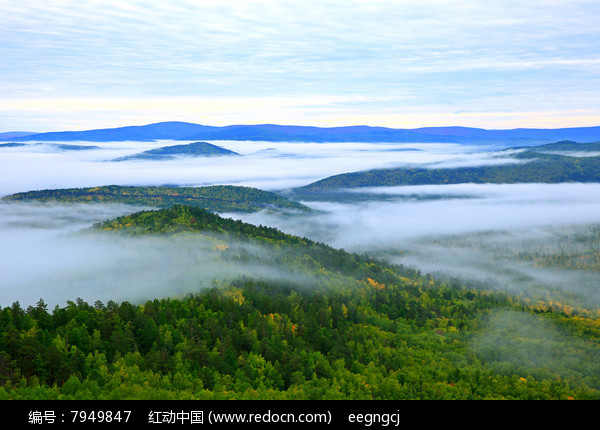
column 529, row 167
column 359, row 329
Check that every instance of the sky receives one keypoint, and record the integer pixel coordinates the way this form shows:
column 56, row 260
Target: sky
column 86, row 64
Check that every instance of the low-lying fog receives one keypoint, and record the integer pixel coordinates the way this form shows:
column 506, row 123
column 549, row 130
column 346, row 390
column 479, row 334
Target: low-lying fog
column 48, row 253
column 468, row 231
column 265, row 165
column 477, row 232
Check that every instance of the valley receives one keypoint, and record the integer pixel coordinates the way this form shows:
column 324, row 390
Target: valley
column 300, row 271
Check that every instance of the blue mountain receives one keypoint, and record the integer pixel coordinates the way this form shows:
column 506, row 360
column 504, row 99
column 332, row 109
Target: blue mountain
column 150, row 132
column 13, row 134
column 277, row 133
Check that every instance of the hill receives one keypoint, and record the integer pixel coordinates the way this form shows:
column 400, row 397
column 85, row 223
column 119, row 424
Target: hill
column 360, row 329
column 567, row 146
column 274, row 132
column 195, row 149
column 218, row 198
column 529, row 167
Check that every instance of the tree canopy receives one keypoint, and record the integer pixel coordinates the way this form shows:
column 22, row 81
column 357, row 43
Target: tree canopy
column 358, row 329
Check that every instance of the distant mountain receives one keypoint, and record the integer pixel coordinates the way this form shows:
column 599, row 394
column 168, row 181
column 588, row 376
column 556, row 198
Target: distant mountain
column 150, row 132
column 67, row 147
column 12, row 145
column 581, row 134
column 280, row 133
column 57, row 146
column 15, row 134
column 196, row 149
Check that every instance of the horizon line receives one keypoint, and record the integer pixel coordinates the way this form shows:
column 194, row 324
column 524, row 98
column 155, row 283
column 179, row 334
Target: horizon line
column 300, row 125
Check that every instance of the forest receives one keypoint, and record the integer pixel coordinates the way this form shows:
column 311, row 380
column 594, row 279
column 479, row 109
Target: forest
column 360, row 328
column 521, row 167
column 566, row 145
column 219, row 198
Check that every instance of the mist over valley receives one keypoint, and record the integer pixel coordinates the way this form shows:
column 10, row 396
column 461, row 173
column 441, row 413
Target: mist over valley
column 471, row 264
column 411, row 225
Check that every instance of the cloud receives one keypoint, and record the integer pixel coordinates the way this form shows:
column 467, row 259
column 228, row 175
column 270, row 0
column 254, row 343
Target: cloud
column 430, row 210
column 429, row 59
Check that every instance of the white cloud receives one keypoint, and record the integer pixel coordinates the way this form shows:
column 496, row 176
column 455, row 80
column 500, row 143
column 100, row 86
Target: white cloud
column 427, row 59
column 41, row 167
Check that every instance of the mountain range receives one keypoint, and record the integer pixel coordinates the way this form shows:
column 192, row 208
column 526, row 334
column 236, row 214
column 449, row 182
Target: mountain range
column 174, row 130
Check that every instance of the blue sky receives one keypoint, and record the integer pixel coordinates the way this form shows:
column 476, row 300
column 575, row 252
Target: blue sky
column 83, row 64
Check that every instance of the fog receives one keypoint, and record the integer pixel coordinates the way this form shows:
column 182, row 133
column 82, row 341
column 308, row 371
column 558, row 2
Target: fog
column 48, row 252
column 470, row 231
column 574, row 153
column 516, row 343
column 266, row 165
column 461, row 208
column 474, row 232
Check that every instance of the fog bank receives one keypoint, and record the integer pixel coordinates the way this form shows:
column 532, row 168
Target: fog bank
column 45, row 254
column 266, row 165
column 462, row 230
column 468, row 208
column 480, row 232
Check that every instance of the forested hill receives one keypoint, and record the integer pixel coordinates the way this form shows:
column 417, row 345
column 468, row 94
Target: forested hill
column 189, row 219
column 195, row 149
column 566, row 145
column 528, row 167
column 334, row 325
column 217, row 198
